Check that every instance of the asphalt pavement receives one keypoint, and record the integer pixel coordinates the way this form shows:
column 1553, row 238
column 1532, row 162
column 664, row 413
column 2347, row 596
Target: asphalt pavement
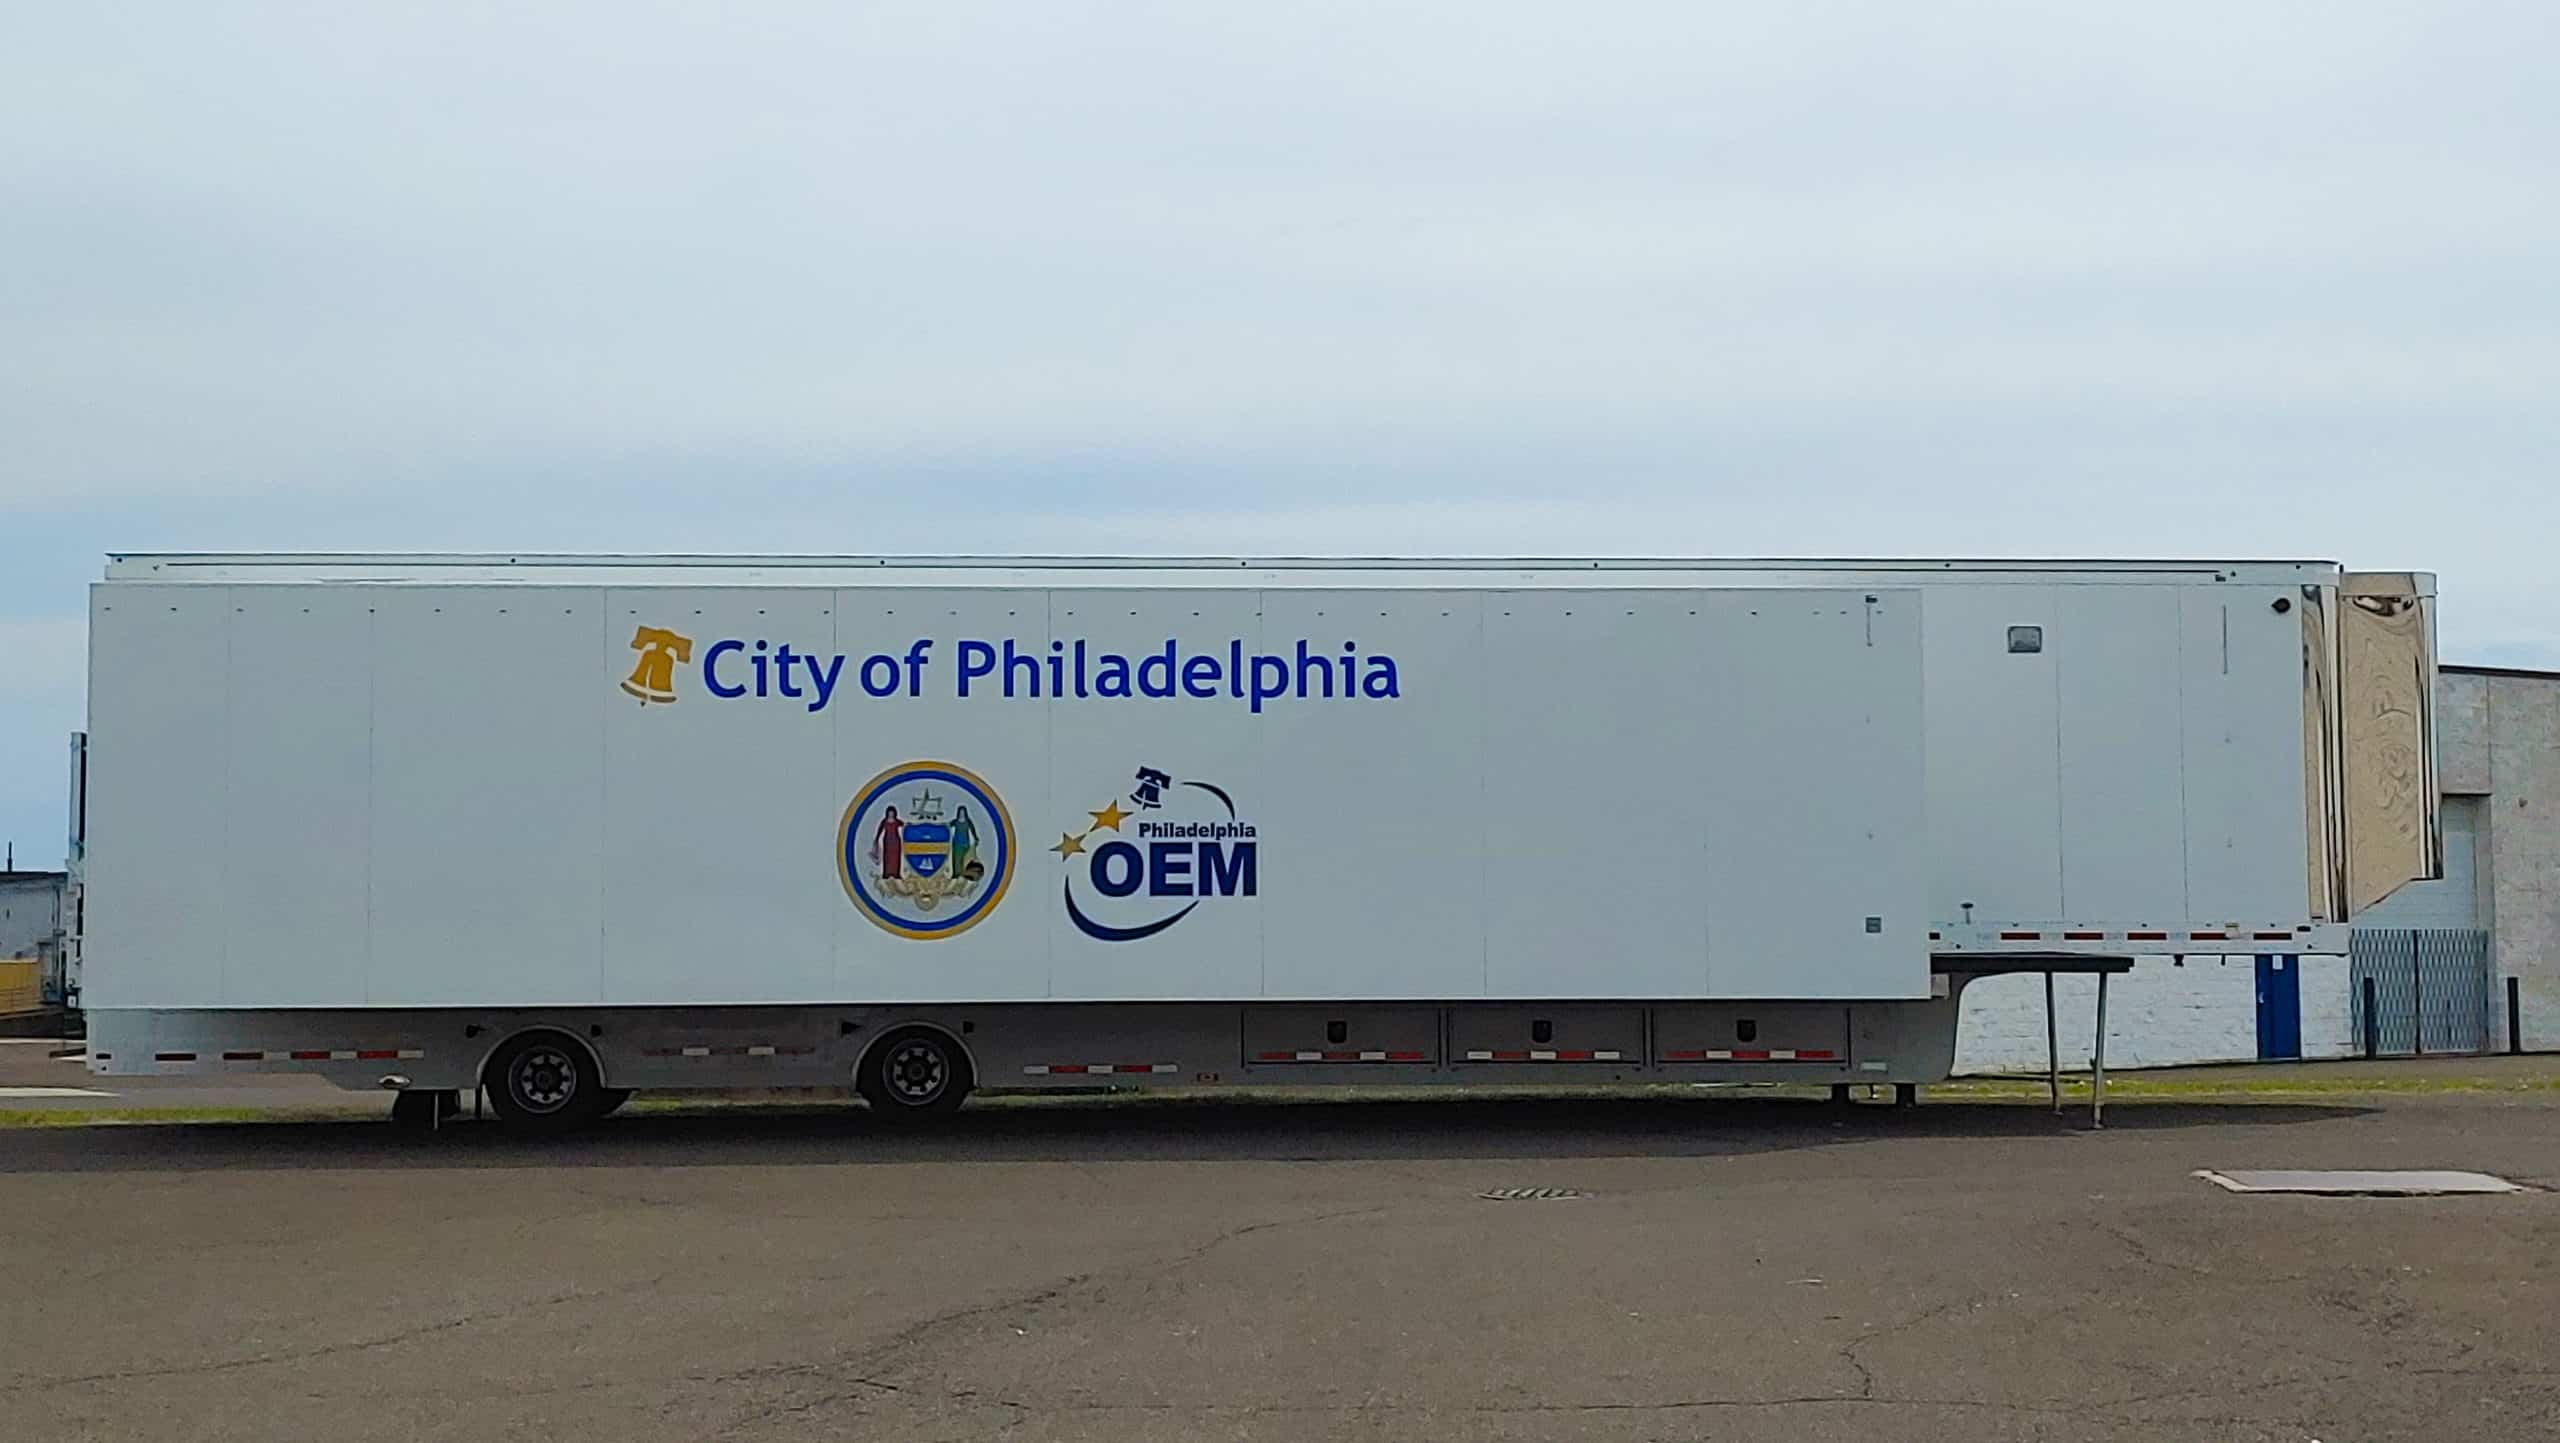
column 1702, row 1265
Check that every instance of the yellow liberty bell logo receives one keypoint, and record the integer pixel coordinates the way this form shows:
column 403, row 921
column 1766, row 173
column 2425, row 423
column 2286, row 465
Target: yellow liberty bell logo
column 653, row 676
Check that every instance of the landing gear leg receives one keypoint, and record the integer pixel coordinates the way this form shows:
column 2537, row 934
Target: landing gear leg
column 423, row 1109
column 2052, row 1048
column 2098, row 1062
column 1906, row 1094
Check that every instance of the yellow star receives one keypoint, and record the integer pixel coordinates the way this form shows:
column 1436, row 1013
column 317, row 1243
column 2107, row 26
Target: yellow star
column 1110, row 816
column 1068, row 845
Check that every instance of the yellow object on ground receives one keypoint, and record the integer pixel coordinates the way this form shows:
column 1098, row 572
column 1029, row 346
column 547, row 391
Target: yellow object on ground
column 21, row 985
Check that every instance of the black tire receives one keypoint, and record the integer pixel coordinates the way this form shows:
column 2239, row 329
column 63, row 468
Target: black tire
column 546, row 1082
column 915, row 1073
column 614, row 1098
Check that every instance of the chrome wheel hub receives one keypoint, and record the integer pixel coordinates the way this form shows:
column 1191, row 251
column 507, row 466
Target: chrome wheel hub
column 917, row 1072
column 543, row 1079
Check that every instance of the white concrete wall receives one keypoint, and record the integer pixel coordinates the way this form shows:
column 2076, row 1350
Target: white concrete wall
column 2498, row 737
column 2509, row 737
column 2161, row 1014
column 2328, row 1001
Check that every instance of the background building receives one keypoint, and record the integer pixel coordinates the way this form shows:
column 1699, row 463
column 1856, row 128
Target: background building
column 30, row 914
column 2439, row 952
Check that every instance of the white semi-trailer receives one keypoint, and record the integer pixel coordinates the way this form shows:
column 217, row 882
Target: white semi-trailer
column 566, row 827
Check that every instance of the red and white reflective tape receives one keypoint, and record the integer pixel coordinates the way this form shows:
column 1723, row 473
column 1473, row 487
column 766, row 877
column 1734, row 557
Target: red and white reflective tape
column 1096, row 1069
column 1370, row 1055
column 298, row 1054
column 1569, row 1054
column 2228, row 934
column 1746, row 1054
column 761, row 1049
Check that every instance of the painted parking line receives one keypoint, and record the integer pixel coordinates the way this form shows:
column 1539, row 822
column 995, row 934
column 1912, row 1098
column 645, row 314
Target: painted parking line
column 53, row 1092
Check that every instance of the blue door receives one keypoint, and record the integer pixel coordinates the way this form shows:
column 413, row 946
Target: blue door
column 2279, row 1007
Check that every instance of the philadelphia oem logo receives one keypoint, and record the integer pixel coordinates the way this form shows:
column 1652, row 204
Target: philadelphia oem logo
column 925, row 850
column 1174, row 846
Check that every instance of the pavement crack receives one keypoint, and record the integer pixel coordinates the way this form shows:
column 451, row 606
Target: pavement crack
column 1050, row 1292
column 851, row 1380
column 2144, row 1254
column 2243, row 1390
column 1848, row 1352
column 1866, row 1375
column 1677, row 1405
column 325, row 1350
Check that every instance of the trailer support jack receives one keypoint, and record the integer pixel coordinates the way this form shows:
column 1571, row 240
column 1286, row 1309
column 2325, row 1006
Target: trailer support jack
column 2098, row 1062
column 2052, row 1049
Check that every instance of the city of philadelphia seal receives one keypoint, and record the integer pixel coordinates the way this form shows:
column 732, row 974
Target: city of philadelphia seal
column 1151, row 857
column 925, row 850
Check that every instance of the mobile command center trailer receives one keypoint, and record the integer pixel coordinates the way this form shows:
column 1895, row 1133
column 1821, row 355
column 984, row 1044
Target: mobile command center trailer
column 566, row 827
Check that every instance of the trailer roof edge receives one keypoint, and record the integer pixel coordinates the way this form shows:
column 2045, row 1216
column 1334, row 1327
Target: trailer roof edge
column 184, row 566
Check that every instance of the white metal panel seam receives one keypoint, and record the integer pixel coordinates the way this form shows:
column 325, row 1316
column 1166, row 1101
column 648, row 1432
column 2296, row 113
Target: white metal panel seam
column 835, row 782
column 1261, row 772
column 1704, row 647
column 2061, row 648
column 1048, row 784
column 604, row 802
column 372, row 794
column 227, row 925
column 372, row 812
column 2186, row 813
column 1483, row 661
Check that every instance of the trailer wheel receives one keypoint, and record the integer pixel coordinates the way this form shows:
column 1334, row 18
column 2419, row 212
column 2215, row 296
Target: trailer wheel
column 545, row 1082
column 614, row 1098
column 915, row 1073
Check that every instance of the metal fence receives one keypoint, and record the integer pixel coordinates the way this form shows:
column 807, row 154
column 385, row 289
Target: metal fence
column 2430, row 989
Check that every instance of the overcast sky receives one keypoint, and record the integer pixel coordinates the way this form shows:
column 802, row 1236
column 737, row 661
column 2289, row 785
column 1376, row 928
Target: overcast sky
column 1794, row 279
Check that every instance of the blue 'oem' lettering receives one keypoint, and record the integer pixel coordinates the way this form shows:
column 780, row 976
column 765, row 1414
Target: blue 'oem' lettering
column 1123, row 858
column 1169, row 869
column 1227, row 871
column 1176, row 869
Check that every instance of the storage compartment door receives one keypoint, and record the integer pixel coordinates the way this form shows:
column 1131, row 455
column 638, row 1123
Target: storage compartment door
column 1547, row 1032
column 1340, row 1034
column 1752, row 1032
column 1809, row 743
